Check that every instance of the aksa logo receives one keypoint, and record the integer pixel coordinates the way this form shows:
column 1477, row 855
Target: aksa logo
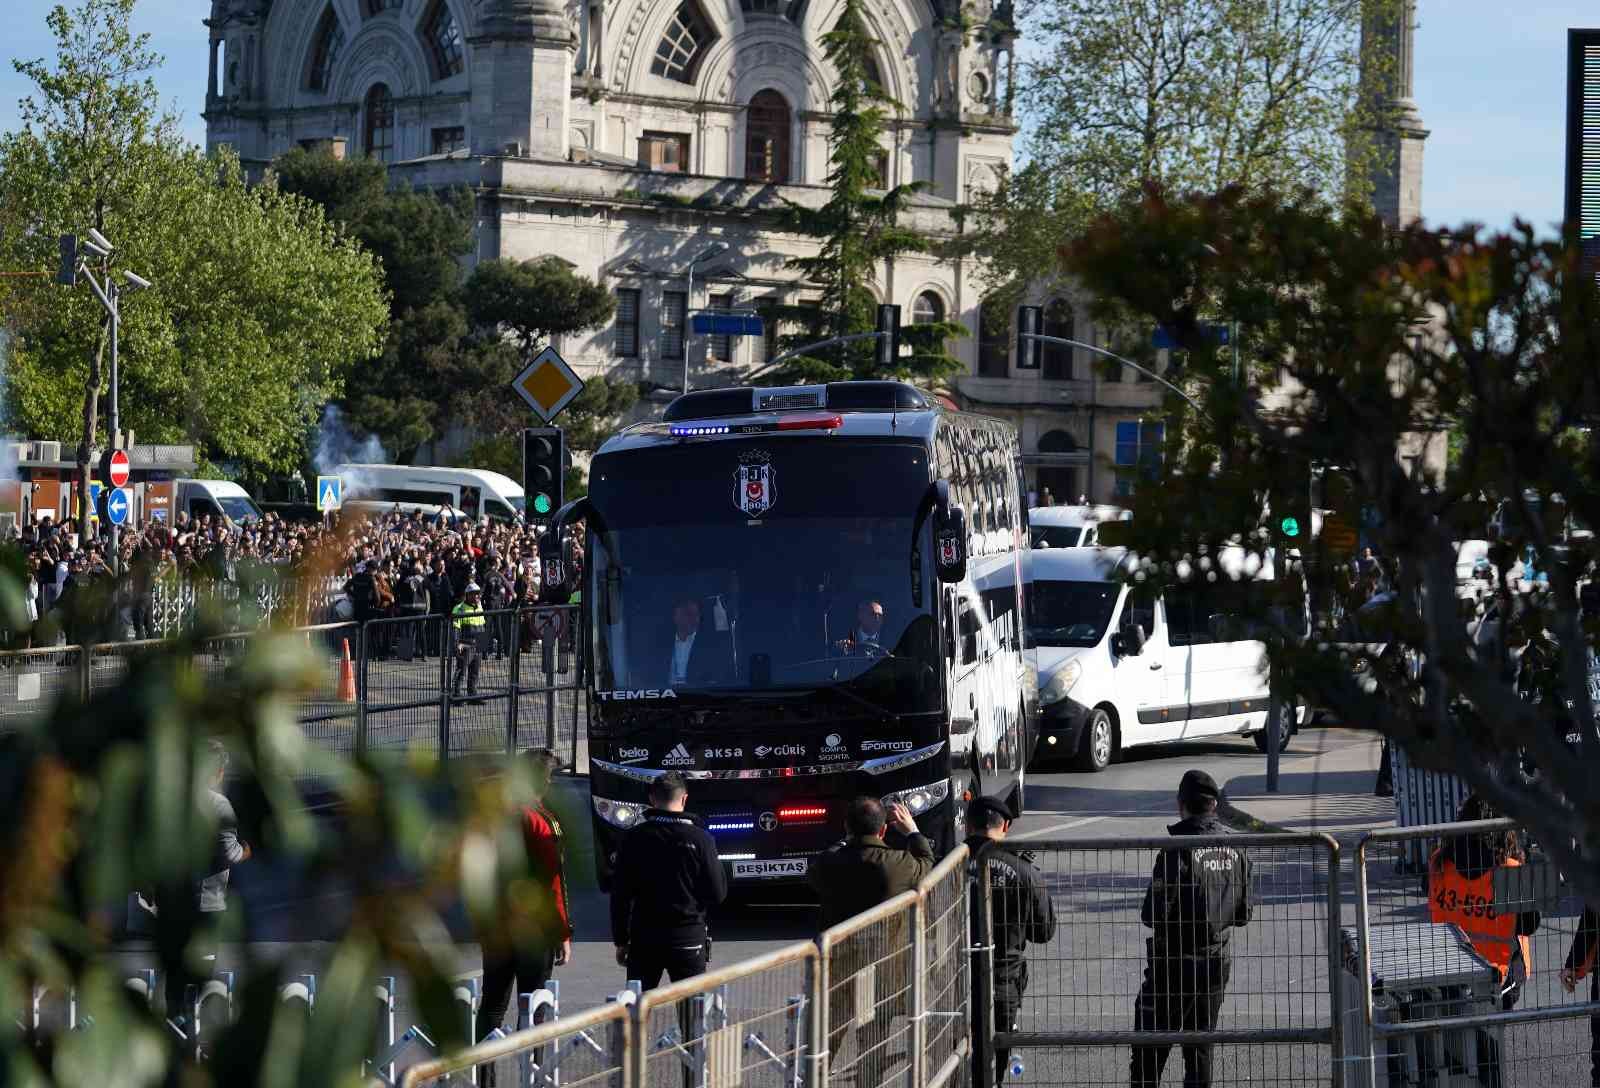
column 633, row 755
column 724, row 753
column 642, row 693
column 781, row 750
column 833, row 747
column 886, row 746
column 678, row 757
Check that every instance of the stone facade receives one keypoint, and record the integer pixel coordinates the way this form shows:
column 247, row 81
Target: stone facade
column 629, row 136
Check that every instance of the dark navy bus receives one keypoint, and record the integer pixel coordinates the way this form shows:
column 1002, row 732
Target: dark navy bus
column 795, row 596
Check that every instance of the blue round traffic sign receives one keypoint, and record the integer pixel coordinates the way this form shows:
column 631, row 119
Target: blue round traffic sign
column 119, row 504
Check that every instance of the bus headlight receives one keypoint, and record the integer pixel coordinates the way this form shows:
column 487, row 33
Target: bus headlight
column 921, row 798
column 1061, row 682
column 623, row 814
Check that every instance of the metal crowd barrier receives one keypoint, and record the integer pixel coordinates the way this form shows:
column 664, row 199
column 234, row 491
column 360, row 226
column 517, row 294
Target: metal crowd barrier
column 1428, row 1003
column 894, row 979
column 1079, row 1021
column 403, row 682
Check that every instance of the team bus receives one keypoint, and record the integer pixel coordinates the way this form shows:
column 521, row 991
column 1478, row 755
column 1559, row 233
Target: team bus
column 796, row 596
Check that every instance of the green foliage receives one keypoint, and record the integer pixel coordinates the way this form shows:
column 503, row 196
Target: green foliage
column 107, row 798
column 535, row 300
column 1367, row 352
column 260, row 308
column 857, row 230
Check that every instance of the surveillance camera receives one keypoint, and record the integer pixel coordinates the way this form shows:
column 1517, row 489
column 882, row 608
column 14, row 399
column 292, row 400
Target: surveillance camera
column 93, row 247
column 100, row 240
column 136, row 282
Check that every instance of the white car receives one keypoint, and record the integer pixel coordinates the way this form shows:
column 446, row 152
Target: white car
column 1070, row 526
column 1120, row 666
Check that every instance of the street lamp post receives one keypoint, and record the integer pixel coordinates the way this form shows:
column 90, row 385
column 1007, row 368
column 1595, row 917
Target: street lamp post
column 715, row 249
column 109, row 291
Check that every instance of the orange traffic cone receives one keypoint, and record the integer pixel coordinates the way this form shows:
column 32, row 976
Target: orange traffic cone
column 347, row 676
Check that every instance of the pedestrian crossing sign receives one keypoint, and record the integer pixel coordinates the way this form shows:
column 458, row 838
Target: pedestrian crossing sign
column 330, row 493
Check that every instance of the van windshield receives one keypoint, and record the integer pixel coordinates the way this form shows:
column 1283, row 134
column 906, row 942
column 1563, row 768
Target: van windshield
column 1070, row 613
column 1056, row 536
column 237, row 507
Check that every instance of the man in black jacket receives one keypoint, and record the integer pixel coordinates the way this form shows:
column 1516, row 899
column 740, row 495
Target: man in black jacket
column 1021, row 910
column 1196, row 895
column 667, row 878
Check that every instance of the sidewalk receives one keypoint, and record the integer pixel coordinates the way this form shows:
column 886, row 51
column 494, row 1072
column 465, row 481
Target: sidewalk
column 1324, row 784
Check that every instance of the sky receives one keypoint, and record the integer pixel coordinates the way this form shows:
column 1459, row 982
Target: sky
column 1490, row 84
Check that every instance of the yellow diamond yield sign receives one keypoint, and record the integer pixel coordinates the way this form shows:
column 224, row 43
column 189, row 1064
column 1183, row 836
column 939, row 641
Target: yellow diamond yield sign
column 548, row 384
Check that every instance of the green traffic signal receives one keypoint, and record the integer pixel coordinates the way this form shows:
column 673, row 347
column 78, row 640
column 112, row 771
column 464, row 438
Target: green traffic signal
column 541, row 504
column 1290, row 526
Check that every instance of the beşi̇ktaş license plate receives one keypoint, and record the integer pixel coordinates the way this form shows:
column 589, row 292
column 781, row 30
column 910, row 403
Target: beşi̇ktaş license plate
column 770, row 868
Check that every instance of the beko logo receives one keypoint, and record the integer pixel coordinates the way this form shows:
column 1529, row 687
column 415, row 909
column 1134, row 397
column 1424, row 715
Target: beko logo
column 642, row 693
column 886, row 746
column 765, row 750
column 724, row 753
column 633, row 755
column 678, row 757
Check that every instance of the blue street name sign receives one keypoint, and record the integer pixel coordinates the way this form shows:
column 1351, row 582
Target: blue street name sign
column 726, row 324
column 118, row 505
column 1165, row 339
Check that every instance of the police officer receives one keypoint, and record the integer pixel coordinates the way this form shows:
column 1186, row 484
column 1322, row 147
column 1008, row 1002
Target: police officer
column 1196, row 895
column 667, row 878
column 1021, row 910
column 468, row 620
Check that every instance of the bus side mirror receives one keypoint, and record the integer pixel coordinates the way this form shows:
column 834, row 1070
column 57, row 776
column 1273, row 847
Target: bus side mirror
column 950, row 544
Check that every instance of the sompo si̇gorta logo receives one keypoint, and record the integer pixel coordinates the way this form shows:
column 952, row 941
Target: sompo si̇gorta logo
column 755, row 483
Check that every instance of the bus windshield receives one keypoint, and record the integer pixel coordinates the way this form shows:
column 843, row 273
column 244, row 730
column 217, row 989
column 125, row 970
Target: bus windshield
column 771, row 566
column 1070, row 613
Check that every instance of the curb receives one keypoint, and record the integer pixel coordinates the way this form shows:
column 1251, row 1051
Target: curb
column 1240, row 820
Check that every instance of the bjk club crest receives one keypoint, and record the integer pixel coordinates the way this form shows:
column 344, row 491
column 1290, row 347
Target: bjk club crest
column 754, row 483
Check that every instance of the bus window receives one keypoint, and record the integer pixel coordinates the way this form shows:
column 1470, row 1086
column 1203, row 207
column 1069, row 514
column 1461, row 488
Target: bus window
column 497, row 509
column 469, row 501
column 968, row 625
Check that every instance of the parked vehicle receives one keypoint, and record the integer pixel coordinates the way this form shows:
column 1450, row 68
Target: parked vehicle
column 218, row 498
column 1070, row 526
column 472, row 492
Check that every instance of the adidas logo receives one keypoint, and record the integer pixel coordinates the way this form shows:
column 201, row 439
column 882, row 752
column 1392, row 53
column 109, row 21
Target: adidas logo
column 678, row 757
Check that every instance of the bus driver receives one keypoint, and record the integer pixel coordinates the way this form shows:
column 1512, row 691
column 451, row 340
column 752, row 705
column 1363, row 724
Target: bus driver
column 866, row 636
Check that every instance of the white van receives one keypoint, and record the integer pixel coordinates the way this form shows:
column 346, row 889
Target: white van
column 1070, row 526
column 471, row 492
column 219, row 498
column 1120, row 666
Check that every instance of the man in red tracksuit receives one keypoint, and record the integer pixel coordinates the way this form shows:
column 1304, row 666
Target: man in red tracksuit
column 537, row 935
column 1580, row 962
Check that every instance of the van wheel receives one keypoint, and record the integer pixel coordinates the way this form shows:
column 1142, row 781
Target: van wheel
column 1286, row 729
column 1098, row 743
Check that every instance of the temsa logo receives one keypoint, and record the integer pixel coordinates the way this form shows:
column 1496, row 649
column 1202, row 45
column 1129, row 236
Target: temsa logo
column 642, row 693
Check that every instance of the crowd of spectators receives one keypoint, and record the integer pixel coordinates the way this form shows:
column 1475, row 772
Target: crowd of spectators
column 400, row 565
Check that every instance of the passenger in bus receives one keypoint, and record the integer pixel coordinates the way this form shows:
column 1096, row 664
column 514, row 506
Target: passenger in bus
column 866, row 637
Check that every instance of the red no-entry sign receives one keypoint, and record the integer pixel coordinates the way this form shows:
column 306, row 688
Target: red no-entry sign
column 119, row 468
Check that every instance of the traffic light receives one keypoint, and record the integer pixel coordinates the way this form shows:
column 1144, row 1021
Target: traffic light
column 67, row 275
column 1029, row 351
column 889, row 341
column 543, row 470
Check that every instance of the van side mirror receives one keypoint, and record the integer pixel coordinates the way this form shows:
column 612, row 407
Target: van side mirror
column 950, row 544
column 1129, row 642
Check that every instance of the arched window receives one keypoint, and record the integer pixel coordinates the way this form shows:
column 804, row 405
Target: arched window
column 928, row 309
column 379, row 110
column 378, row 7
column 1057, row 361
column 325, row 53
column 683, row 44
column 766, row 141
column 994, row 338
column 1057, row 442
column 442, row 34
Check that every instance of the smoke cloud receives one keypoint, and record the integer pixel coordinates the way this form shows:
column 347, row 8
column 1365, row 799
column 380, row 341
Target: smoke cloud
column 338, row 444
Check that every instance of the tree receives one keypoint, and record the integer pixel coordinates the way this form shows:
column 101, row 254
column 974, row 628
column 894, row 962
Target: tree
column 535, row 300
column 259, row 308
column 858, row 230
column 430, row 368
column 1362, row 345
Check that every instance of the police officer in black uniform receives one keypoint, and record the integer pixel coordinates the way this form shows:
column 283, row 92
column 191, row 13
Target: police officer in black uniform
column 1020, row 906
column 667, row 878
column 1196, row 895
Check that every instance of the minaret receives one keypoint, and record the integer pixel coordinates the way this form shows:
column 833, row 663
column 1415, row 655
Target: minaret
column 521, row 79
column 1397, row 176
